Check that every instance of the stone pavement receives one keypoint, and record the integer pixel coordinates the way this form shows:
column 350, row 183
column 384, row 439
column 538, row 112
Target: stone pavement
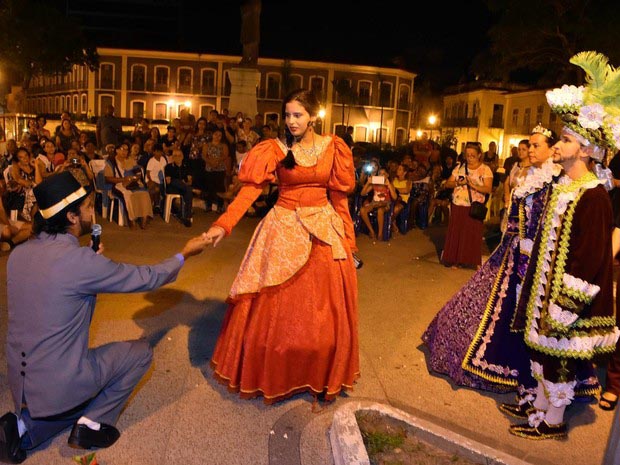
column 180, row 415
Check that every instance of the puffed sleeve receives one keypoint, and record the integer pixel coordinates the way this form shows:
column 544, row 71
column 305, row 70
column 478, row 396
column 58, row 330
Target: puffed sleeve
column 341, row 184
column 257, row 169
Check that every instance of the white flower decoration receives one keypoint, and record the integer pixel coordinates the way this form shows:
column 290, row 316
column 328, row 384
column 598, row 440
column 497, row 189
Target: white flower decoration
column 560, row 394
column 614, row 127
column 564, row 317
column 591, row 116
column 536, row 368
column 536, row 418
column 565, row 96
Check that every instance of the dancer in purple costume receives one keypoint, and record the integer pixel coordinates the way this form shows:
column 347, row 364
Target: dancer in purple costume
column 470, row 339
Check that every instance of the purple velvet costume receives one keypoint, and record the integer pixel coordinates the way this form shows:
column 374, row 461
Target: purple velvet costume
column 471, row 339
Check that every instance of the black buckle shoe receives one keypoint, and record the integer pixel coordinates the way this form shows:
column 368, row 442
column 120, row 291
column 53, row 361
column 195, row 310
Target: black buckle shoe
column 82, row 437
column 543, row 431
column 10, row 450
column 520, row 410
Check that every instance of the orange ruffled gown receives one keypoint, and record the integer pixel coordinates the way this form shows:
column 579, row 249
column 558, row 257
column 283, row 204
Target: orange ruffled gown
column 292, row 320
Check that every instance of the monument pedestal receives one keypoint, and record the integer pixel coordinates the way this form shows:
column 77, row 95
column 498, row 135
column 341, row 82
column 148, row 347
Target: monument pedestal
column 244, row 82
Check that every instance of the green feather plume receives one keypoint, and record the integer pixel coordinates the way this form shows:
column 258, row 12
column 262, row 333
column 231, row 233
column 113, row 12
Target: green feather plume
column 602, row 78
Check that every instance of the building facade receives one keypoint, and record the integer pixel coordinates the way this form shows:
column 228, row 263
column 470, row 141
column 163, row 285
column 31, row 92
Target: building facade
column 485, row 112
column 158, row 85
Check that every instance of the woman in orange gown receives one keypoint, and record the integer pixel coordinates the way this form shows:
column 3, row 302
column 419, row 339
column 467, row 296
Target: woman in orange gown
column 292, row 321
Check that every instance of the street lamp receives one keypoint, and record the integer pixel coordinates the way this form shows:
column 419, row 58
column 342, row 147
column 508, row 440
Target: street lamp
column 321, row 116
column 432, row 120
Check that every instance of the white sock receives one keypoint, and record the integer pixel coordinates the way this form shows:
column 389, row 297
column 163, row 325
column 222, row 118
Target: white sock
column 88, row 422
column 21, row 427
column 555, row 415
column 541, row 402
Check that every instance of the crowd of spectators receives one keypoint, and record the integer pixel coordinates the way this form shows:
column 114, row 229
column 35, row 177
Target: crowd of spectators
column 403, row 190
column 207, row 152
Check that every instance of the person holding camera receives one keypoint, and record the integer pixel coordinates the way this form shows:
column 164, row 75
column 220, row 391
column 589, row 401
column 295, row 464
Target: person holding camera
column 383, row 193
column 77, row 166
column 472, row 182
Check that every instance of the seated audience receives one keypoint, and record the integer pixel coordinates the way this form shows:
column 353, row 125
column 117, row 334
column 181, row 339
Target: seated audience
column 129, row 187
column 383, row 193
column 179, row 181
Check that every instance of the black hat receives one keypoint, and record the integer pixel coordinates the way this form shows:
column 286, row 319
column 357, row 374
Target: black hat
column 57, row 192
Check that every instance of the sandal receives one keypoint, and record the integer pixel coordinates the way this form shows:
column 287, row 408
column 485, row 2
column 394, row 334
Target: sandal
column 605, row 403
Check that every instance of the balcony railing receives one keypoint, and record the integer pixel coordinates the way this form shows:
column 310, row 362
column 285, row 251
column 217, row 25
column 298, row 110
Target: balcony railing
column 138, row 85
column 106, row 84
column 496, row 122
column 184, row 89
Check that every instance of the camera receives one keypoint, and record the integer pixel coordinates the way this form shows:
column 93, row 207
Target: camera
column 75, row 161
column 377, row 180
column 368, row 168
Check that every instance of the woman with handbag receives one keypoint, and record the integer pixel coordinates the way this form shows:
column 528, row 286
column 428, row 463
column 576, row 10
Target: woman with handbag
column 472, row 183
column 129, row 187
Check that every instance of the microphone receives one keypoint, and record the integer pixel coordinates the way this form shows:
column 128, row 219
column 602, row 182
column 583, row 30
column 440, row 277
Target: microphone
column 95, row 235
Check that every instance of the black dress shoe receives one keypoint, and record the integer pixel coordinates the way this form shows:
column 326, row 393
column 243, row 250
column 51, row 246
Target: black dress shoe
column 82, row 437
column 518, row 410
column 543, row 431
column 10, row 452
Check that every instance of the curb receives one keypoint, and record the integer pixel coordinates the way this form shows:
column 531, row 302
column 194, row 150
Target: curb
column 348, row 447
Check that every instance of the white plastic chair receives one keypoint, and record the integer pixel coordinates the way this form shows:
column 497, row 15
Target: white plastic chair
column 168, row 205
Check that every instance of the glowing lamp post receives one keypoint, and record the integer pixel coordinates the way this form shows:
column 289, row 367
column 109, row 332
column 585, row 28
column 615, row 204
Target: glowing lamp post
column 432, row 120
column 320, row 118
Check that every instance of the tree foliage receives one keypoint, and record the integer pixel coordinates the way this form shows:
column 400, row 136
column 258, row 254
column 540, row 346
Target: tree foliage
column 533, row 40
column 37, row 38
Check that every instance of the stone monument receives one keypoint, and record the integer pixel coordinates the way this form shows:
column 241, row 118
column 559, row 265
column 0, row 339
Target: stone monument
column 245, row 78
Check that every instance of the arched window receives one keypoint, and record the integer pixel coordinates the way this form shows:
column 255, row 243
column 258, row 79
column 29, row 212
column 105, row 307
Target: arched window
column 207, row 81
column 272, row 90
column 106, row 76
column 185, row 79
column 162, row 78
column 138, row 77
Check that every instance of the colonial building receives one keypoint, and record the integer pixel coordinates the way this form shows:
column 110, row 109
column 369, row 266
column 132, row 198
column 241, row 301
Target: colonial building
column 487, row 111
column 158, row 85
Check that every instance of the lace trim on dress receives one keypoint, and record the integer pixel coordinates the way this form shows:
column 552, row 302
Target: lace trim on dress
column 307, row 157
column 536, row 178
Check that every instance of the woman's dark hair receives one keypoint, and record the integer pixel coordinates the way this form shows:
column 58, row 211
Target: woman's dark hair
column 202, row 118
column 22, row 149
column 311, row 104
column 57, row 224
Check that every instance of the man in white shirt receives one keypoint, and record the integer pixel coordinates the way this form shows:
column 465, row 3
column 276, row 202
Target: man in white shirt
column 155, row 176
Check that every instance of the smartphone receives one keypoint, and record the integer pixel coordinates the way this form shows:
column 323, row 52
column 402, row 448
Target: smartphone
column 377, row 180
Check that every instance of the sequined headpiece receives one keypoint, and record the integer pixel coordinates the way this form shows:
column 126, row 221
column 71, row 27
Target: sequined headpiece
column 591, row 111
column 540, row 129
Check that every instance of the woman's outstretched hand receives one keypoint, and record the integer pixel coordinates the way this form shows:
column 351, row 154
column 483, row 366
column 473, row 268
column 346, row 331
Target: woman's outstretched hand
column 215, row 234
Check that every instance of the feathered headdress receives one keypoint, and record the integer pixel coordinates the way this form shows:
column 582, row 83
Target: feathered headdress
column 591, row 111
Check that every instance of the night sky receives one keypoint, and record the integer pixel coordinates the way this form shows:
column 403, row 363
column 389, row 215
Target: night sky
column 436, row 41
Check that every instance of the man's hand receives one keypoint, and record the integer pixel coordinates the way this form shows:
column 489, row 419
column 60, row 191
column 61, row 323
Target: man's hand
column 215, row 234
column 195, row 245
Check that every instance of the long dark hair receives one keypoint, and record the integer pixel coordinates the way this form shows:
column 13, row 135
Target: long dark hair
column 311, row 104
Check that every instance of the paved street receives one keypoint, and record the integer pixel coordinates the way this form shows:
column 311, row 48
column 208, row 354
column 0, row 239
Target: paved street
column 180, row 415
